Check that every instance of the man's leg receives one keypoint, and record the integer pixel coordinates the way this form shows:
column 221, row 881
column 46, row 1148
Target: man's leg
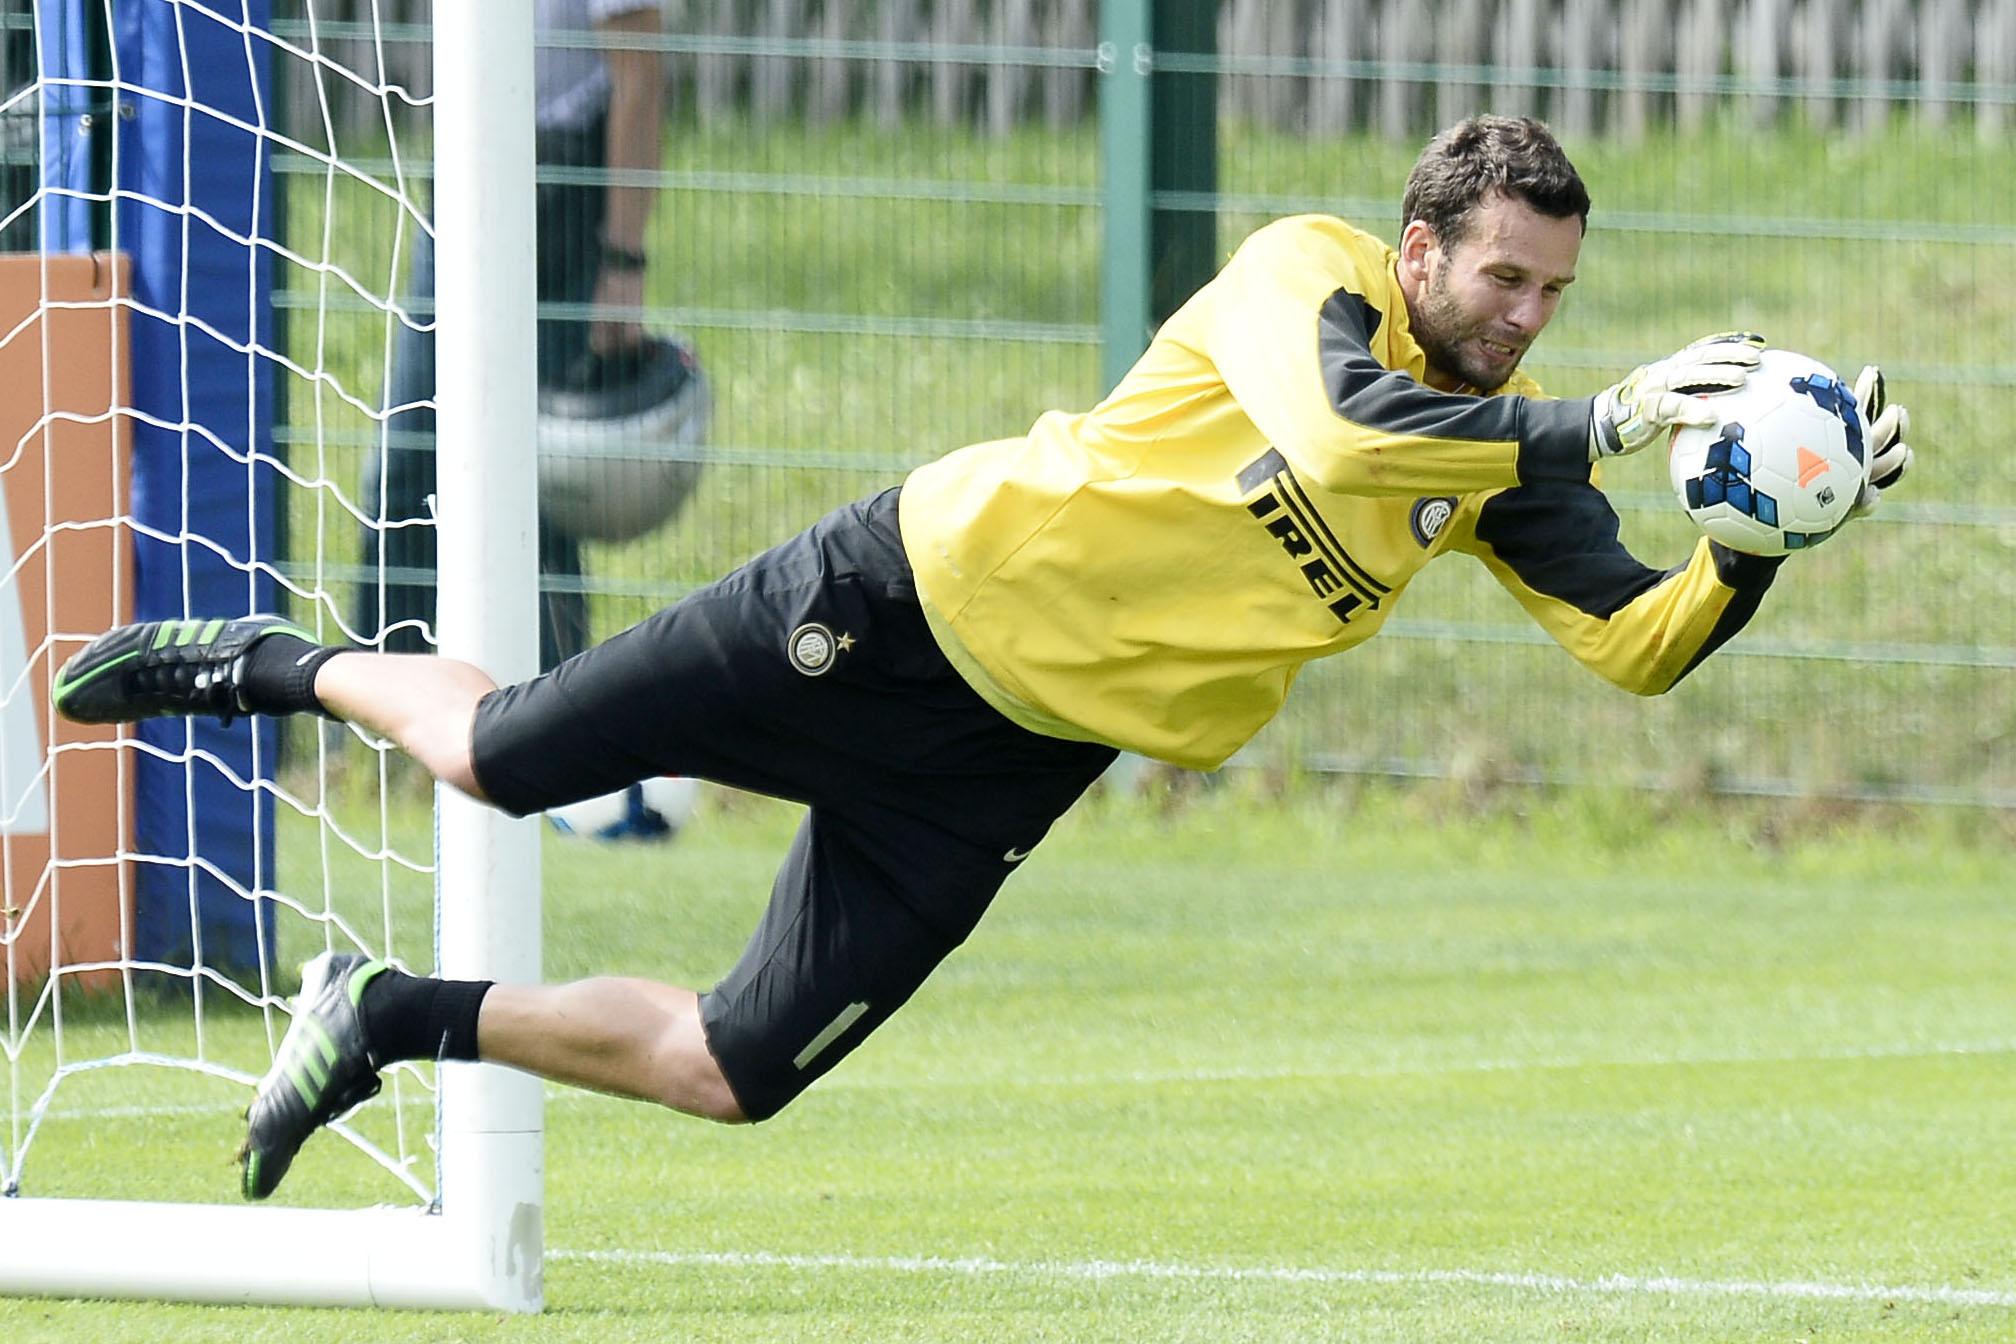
column 354, row 1016
column 401, row 478
column 424, row 703
column 633, row 1038
column 265, row 665
column 630, row 1037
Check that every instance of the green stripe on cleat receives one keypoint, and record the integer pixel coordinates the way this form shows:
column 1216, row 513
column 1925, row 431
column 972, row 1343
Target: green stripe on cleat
column 363, row 976
column 64, row 688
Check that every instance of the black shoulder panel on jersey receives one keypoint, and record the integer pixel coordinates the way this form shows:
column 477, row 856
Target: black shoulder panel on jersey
column 1560, row 538
column 1366, row 392
column 1552, row 434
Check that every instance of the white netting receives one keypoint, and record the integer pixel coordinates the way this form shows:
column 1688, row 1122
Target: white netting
column 147, row 981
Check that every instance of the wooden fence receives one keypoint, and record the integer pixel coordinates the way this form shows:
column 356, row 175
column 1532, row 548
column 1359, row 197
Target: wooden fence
column 1400, row 67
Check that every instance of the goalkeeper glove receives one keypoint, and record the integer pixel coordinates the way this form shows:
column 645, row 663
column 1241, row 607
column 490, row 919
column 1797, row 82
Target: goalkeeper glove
column 1656, row 397
column 1883, row 430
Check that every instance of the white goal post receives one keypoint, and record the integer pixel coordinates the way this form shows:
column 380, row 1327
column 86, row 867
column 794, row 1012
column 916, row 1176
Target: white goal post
column 478, row 1243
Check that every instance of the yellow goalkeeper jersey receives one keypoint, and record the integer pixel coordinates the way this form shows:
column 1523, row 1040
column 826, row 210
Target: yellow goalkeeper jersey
column 1257, row 492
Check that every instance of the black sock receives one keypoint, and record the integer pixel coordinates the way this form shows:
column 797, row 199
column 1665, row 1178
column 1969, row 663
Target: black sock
column 280, row 674
column 418, row 1017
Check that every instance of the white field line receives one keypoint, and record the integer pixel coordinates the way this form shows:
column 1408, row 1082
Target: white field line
column 556, row 1094
column 1628, row 1285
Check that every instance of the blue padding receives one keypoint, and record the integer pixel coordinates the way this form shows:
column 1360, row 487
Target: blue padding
column 197, row 483
column 66, row 144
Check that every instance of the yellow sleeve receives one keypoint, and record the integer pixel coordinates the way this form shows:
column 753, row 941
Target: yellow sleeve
column 1555, row 549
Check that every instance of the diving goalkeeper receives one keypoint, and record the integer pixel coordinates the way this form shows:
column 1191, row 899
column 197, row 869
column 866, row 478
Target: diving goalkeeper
column 941, row 670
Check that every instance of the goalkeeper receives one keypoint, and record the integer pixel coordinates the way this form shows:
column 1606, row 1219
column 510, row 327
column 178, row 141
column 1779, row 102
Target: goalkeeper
column 941, row 670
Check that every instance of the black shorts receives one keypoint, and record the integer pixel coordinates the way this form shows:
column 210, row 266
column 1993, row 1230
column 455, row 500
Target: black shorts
column 808, row 674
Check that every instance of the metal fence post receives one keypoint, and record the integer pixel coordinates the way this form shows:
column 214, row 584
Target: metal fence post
column 1125, row 62
column 1183, row 132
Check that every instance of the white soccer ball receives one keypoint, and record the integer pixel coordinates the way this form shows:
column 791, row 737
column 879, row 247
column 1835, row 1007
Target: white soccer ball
column 1782, row 466
column 655, row 809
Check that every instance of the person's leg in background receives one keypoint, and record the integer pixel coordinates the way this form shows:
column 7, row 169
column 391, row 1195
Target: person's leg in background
column 398, row 542
column 570, row 257
column 400, row 477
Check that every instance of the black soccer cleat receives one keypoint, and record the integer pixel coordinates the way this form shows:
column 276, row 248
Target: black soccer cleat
column 159, row 668
column 322, row 1070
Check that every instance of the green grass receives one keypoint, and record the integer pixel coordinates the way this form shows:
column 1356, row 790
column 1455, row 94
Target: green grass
column 1363, row 1065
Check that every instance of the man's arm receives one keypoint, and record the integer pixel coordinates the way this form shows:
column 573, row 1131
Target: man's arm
column 1555, row 548
column 633, row 142
column 1292, row 325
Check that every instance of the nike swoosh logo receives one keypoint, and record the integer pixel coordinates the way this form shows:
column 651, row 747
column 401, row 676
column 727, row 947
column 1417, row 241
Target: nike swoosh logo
column 1015, row 856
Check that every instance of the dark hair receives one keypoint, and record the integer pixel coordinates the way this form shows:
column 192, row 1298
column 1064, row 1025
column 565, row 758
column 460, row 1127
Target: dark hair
column 1460, row 167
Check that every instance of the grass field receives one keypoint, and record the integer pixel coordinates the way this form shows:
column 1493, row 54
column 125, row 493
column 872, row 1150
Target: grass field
column 1362, row 1065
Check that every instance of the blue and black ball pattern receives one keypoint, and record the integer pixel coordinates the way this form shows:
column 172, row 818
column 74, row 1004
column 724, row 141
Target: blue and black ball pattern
column 1725, row 479
column 1835, row 396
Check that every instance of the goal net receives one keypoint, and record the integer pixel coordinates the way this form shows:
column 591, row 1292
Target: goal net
column 211, row 211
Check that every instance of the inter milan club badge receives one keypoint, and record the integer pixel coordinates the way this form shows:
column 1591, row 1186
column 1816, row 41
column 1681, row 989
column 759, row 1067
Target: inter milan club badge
column 813, row 649
column 1431, row 515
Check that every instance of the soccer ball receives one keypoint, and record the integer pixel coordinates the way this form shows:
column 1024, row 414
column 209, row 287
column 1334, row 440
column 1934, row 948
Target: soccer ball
column 1783, row 465
column 655, row 809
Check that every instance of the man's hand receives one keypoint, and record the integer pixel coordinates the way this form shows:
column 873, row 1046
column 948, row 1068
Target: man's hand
column 1654, row 398
column 619, row 295
column 1883, row 430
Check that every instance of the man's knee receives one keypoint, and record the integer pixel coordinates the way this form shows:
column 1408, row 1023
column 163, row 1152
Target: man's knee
column 766, row 1064
column 706, row 1093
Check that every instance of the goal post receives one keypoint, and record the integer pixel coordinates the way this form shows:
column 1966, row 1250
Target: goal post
column 492, row 1149
column 472, row 1238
